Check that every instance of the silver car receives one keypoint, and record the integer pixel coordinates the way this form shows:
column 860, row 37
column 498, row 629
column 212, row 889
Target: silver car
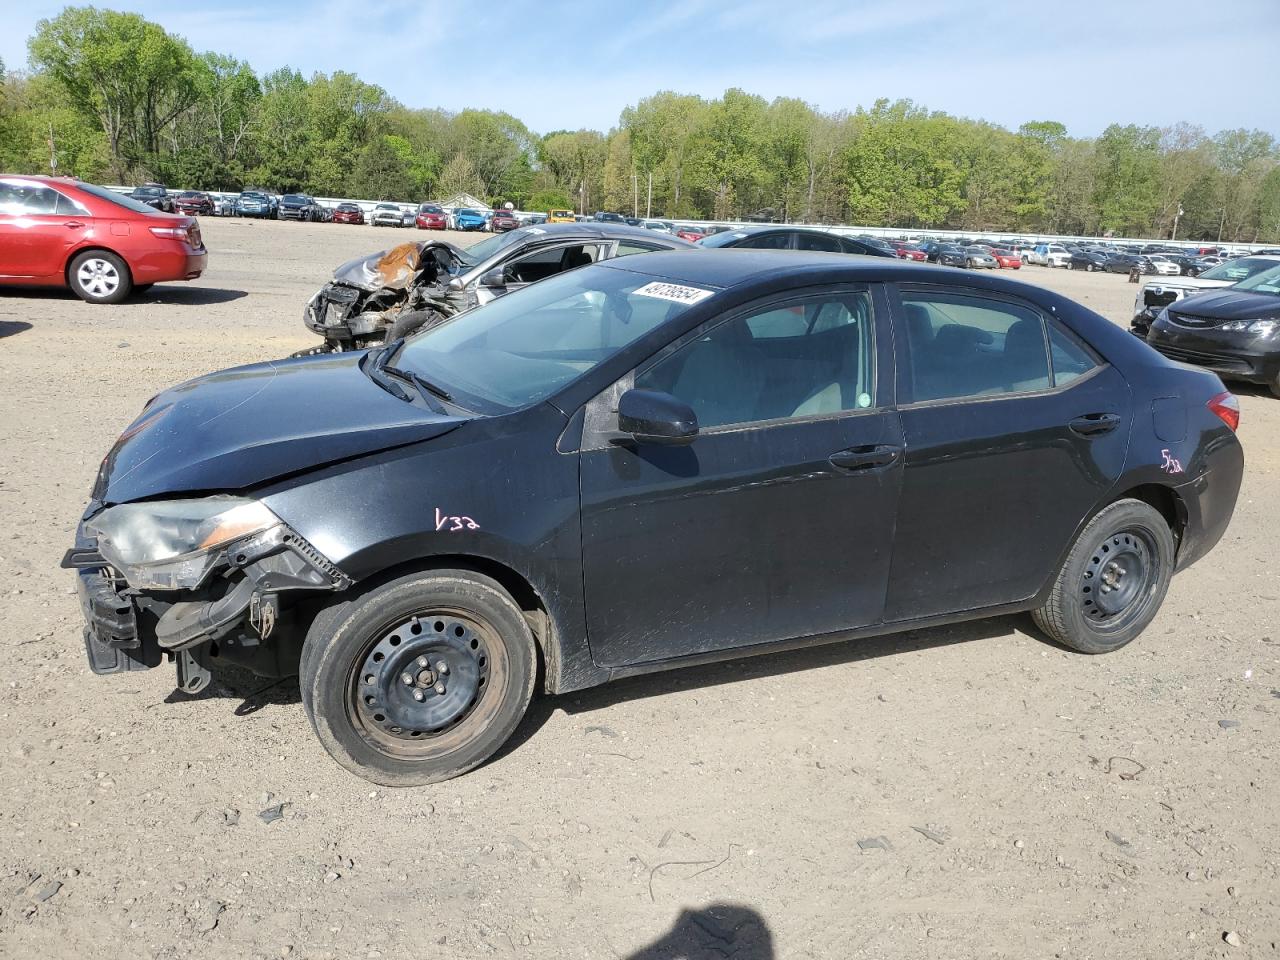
column 387, row 214
column 978, row 258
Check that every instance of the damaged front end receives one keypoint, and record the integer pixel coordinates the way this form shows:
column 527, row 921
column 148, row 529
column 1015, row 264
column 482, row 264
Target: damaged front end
column 366, row 296
column 194, row 581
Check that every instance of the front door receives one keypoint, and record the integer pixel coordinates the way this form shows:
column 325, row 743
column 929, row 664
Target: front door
column 777, row 520
column 38, row 228
column 1014, row 430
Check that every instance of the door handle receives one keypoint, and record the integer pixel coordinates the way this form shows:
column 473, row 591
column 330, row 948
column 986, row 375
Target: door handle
column 73, row 225
column 860, row 459
column 1095, row 424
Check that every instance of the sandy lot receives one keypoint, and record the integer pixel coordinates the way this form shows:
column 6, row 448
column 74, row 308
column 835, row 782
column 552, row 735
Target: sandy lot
column 1031, row 802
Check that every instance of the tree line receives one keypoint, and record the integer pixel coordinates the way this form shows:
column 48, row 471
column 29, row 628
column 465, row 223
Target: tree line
column 111, row 96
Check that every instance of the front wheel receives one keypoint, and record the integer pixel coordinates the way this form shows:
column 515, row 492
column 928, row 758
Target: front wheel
column 99, row 277
column 412, row 321
column 1113, row 581
column 420, row 679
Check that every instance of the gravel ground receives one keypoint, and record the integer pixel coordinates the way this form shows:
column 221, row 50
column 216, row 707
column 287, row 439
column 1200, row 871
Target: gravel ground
column 970, row 791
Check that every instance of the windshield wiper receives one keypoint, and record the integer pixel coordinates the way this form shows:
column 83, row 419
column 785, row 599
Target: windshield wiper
column 425, row 387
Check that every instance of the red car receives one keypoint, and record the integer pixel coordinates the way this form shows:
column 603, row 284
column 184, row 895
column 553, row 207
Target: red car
column 432, row 217
column 56, row 231
column 348, row 213
column 1007, row 259
column 194, row 202
column 502, row 221
column 907, row 251
column 690, row 233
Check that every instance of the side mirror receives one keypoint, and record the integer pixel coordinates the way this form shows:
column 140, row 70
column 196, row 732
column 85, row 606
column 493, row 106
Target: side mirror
column 496, row 277
column 455, row 285
column 653, row 417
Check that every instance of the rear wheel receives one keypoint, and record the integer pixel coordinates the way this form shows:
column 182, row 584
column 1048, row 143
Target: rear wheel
column 420, row 679
column 1113, row 581
column 99, row 277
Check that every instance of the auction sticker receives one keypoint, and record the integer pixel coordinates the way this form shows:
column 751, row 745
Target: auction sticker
column 674, row 292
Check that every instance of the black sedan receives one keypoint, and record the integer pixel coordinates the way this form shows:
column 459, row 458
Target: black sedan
column 950, row 255
column 796, row 238
column 647, row 463
column 1234, row 331
column 1089, row 260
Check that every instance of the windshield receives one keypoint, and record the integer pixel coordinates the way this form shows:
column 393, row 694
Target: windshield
column 148, row 191
column 262, row 197
column 292, row 198
column 1268, row 281
column 479, row 252
column 388, row 206
column 429, row 208
column 119, row 199
column 521, row 348
column 467, row 213
column 724, row 239
column 1237, row 270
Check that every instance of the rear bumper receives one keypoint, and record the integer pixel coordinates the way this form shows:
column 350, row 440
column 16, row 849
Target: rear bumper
column 1210, row 499
column 181, row 263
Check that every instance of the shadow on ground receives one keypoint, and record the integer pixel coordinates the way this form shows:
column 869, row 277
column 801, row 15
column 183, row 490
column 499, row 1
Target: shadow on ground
column 175, row 294
column 9, row 327
column 712, row 933
column 755, row 667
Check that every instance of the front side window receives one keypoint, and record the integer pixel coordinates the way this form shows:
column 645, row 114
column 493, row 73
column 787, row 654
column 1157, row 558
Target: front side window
column 545, row 263
column 767, row 241
column 822, row 242
column 805, row 358
column 962, row 345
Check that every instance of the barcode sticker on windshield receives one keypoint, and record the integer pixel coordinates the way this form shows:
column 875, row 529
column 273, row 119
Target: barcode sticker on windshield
column 674, row 292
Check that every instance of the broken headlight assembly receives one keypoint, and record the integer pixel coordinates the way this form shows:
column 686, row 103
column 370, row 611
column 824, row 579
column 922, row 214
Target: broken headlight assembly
column 173, row 544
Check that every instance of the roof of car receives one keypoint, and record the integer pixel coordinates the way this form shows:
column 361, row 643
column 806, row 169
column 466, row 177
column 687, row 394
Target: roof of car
column 731, row 267
column 595, row 228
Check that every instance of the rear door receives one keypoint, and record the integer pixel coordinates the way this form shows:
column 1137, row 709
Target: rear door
column 777, row 520
column 1014, row 429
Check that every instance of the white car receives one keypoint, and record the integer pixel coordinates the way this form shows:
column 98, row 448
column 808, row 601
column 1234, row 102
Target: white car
column 1155, row 295
column 387, row 214
column 1164, row 266
column 1049, row 255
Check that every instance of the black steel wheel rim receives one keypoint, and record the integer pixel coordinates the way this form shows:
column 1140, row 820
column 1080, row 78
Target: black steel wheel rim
column 1119, row 576
column 418, row 683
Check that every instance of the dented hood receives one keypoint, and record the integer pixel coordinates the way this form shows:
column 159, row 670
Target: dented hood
column 241, row 427
column 392, row 269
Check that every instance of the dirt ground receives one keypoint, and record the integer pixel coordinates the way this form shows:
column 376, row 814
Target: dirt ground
column 962, row 792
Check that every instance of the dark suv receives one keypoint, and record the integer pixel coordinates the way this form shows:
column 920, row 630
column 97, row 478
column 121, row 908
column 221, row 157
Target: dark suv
column 154, row 195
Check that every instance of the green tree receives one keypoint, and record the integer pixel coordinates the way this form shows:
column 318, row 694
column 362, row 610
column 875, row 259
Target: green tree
column 1127, row 184
column 122, row 69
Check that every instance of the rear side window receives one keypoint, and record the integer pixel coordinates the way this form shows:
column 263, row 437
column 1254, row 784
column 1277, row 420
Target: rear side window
column 626, row 249
column 1071, row 360
column 961, row 345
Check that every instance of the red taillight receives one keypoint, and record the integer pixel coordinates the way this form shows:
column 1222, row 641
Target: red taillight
column 1227, row 407
column 170, row 233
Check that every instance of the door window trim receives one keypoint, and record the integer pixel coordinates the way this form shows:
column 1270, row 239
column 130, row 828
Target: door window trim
column 902, row 349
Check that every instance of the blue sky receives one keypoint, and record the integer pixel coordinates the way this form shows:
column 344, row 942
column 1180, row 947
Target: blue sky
column 569, row 64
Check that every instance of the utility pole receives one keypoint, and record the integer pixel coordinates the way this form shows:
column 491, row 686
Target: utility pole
column 53, row 151
column 635, row 192
column 1176, row 216
column 648, row 203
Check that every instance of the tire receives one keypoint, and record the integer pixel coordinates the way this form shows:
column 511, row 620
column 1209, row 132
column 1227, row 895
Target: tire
column 97, row 276
column 358, row 652
column 1274, row 384
column 1127, row 550
column 413, row 321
